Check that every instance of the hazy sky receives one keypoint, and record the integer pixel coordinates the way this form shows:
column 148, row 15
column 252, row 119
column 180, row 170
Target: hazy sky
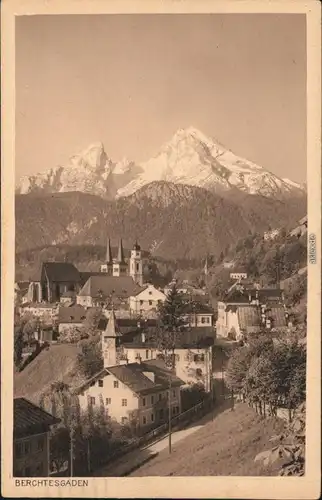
column 131, row 81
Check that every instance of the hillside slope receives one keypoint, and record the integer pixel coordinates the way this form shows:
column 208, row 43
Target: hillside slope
column 226, row 446
column 57, row 363
column 169, row 220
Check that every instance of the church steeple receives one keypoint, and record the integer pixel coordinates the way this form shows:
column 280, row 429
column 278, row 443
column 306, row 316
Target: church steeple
column 108, row 259
column 107, row 267
column 120, row 253
column 111, row 349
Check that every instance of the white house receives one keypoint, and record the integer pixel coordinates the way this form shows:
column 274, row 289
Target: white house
column 146, row 300
column 132, row 393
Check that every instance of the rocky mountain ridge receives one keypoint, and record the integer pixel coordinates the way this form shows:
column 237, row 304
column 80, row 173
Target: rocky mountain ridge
column 170, row 220
column 189, row 158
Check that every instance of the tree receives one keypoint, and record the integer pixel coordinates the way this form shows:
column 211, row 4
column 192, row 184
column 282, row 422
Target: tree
column 90, row 359
column 93, row 317
column 170, row 325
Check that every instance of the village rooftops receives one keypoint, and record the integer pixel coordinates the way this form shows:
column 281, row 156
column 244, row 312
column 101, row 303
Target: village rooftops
column 133, row 376
column 29, row 419
column 109, row 286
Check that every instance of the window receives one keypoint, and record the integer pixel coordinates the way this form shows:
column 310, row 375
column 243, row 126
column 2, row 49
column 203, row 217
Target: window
column 152, row 400
column 150, row 302
column 141, row 302
column 116, row 384
column 124, row 420
column 207, row 319
column 124, row 402
column 199, row 372
column 150, row 293
column 143, row 402
column 174, row 393
column 92, row 401
column 144, row 420
column 92, row 383
column 27, row 447
column 147, row 354
column 18, row 450
column 152, row 417
column 160, row 397
column 100, row 383
column 137, row 267
column 203, row 320
column 108, row 401
column 40, row 444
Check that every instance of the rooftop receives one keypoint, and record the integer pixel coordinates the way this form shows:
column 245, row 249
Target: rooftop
column 73, row 314
column 109, row 286
column 132, row 375
column 29, row 418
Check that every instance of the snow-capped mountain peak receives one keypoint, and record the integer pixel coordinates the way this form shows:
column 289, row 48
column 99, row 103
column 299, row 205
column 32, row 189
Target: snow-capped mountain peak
column 189, row 157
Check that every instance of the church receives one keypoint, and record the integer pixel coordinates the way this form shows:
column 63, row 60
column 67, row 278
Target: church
column 56, row 280
column 120, row 267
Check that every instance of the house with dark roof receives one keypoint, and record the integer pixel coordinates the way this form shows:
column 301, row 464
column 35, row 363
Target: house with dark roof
column 244, row 311
column 31, row 427
column 71, row 318
column 132, row 393
column 105, row 289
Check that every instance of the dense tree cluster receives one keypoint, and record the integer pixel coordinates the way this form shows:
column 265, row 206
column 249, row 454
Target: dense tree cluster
column 269, row 373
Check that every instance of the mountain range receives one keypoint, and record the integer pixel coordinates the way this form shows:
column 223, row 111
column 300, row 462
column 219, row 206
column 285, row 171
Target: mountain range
column 169, row 220
column 189, row 158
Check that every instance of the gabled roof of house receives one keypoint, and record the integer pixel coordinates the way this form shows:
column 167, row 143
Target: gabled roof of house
column 119, row 286
column 61, row 272
column 28, row 417
column 132, row 375
column 277, row 315
column 73, row 314
column 248, row 316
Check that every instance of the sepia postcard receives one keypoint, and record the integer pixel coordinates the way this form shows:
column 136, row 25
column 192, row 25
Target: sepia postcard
column 161, row 249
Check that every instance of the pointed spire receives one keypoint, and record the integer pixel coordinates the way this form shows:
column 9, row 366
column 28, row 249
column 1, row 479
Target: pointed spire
column 120, row 253
column 109, row 258
column 111, row 328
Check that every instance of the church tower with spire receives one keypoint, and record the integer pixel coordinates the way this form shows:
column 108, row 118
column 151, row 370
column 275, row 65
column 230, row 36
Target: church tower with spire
column 136, row 265
column 107, row 267
column 111, row 349
column 120, row 266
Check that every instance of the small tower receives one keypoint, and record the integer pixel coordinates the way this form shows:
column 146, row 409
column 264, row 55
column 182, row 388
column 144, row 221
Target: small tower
column 120, row 266
column 111, row 350
column 136, row 266
column 108, row 266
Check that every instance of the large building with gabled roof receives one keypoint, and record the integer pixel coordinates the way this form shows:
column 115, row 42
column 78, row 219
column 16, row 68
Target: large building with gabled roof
column 131, row 393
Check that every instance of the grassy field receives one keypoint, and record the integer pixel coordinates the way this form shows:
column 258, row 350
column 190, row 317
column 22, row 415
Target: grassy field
column 51, row 365
column 226, row 446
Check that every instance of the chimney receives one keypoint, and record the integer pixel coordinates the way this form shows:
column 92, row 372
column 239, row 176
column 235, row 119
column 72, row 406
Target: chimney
column 150, row 375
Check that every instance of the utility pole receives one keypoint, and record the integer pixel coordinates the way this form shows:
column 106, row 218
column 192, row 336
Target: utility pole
column 71, row 458
column 170, row 447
